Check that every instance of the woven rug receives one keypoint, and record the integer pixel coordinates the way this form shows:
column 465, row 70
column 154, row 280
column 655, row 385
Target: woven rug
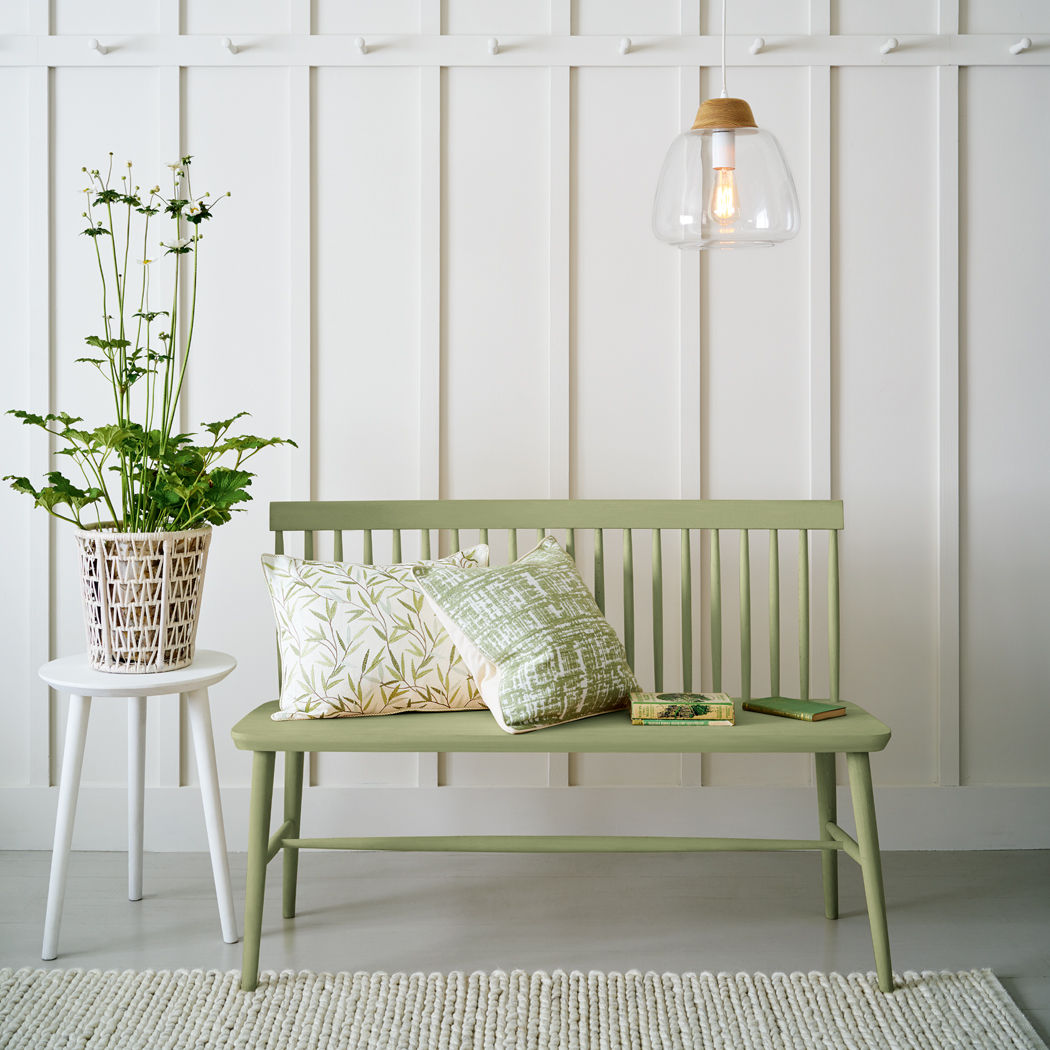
column 171, row 1010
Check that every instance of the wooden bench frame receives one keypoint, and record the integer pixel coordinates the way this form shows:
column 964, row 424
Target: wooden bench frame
column 856, row 735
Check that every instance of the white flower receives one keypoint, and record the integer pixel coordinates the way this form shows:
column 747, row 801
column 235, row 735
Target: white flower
column 176, row 166
column 193, row 209
column 145, row 262
column 180, row 243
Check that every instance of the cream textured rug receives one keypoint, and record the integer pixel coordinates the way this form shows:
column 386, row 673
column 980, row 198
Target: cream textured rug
column 172, row 1010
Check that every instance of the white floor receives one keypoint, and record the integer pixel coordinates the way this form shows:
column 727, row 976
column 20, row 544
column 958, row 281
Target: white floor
column 734, row 912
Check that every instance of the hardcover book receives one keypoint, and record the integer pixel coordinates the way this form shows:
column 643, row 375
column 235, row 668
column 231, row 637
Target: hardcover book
column 806, row 710
column 683, row 706
column 683, row 722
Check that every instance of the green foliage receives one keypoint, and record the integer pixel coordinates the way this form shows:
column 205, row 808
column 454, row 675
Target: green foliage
column 139, row 474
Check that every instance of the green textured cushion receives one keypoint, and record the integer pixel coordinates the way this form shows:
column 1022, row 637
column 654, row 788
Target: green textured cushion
column 360, row 640
column 535, row 642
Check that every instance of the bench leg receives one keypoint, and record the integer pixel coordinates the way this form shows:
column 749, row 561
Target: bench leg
column 293, row 809
column 258, row 847
column 871, row 863
column 827, row 811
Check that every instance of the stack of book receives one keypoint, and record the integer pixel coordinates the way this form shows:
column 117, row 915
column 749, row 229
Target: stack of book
column 682, row 709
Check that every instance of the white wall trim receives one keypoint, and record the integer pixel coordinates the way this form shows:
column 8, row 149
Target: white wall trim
column 910, row 818
column 280, row 49
column 41, row 528
column 559, row 321
column 948, row 409
column 690, row 433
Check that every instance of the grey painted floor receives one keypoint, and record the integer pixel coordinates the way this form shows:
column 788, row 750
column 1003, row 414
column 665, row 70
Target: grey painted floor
column 746, row 911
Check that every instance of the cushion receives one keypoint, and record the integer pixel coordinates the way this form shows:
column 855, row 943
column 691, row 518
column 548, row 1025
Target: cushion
column 537, row 645
column 360, row 640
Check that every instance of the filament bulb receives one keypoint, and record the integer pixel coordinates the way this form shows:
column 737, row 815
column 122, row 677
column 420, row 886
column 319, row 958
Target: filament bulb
column 724, row 205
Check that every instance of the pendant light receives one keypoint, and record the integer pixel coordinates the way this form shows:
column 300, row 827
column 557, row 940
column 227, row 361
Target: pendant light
column 725, row 182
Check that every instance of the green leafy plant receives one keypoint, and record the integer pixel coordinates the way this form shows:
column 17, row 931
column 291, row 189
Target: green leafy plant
column 139, row 473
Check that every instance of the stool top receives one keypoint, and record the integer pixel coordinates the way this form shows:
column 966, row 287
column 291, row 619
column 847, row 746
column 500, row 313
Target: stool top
column 74, row 674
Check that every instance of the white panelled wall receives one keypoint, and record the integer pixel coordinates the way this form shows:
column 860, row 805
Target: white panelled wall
column 436, row 273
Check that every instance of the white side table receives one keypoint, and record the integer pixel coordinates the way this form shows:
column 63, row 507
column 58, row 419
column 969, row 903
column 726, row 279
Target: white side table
column 76, row 676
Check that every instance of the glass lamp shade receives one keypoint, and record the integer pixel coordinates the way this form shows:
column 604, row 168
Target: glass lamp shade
column 725, row 188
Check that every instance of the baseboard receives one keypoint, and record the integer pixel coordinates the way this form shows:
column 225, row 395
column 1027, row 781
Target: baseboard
column 910, row 818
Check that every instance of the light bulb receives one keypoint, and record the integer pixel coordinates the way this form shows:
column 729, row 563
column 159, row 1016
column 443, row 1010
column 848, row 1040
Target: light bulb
column 725, row 203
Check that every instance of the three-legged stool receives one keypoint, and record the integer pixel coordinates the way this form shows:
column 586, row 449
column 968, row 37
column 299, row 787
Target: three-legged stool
column 75, row 675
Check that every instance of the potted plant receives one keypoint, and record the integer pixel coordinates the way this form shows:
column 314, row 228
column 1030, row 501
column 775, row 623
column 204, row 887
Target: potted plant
column 151, row 494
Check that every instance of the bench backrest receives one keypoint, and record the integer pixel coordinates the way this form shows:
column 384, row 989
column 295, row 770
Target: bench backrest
column 595, row 532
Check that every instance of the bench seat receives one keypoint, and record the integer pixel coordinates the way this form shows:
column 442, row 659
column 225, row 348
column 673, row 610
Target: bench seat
column 612, row 733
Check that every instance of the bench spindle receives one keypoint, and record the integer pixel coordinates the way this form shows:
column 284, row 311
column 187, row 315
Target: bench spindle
column 658, row 610
column 687, row 613
column 628, row 596
column 774, row 612
column 278, row 548
column 308, row 545
column 570, row 546
column 395, row 545
column 833, row 614
column 424, row 543
column 745, row 615
column 599, row 570
column 803, row 614
column 337, row 544
column 715, row 613
column 512, row 544
column 483, row 536
column 366, row 546
column 455, row 539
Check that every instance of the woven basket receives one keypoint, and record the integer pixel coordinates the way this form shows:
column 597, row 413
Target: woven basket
column 141, row 595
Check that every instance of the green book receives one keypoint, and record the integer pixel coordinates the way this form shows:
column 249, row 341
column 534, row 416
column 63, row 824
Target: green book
column 807, row 710
column 686, row 706
column 682, row 722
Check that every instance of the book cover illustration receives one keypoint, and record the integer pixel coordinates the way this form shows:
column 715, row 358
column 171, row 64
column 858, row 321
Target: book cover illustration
column 805, row 710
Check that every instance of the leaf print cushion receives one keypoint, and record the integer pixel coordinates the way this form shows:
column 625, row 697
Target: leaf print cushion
column 360, row 640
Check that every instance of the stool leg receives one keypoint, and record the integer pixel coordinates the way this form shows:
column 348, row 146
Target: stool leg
column 258, row 846
column 871, row 863
column 136, row 792
column 204, row 749
column 69, row 788
column 293, row 808
column 826, row 811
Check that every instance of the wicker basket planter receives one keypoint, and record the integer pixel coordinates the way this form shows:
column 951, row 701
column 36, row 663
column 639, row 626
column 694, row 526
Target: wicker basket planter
column 141, row 595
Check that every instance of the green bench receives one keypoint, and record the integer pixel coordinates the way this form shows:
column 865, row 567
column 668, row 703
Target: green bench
column 591, row 523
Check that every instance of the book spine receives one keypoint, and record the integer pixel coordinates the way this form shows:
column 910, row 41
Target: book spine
column 802, row 716
column 682, row 722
